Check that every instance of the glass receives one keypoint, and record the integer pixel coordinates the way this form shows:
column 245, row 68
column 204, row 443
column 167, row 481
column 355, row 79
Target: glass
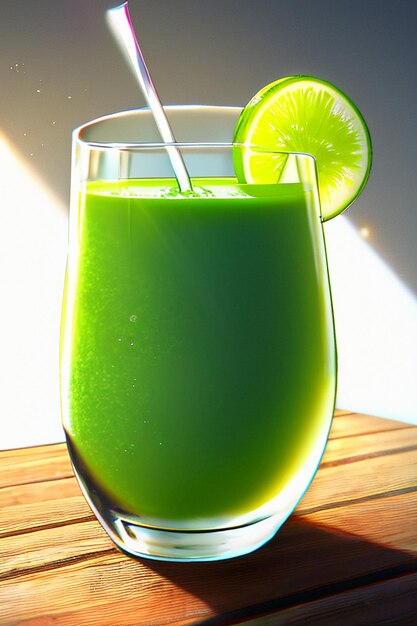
column 198, row 357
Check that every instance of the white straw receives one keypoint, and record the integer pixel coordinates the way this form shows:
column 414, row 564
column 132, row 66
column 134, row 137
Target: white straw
column 122, row 28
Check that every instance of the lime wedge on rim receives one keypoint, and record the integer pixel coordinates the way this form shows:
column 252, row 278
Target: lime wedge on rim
column 308, row 115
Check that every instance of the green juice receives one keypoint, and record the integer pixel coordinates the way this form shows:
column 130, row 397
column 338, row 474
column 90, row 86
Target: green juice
column 198, row 359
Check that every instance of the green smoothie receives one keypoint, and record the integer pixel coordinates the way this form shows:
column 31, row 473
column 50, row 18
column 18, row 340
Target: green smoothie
column 198, row 357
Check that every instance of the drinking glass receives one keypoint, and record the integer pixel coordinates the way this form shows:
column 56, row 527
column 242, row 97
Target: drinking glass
column 198, row 357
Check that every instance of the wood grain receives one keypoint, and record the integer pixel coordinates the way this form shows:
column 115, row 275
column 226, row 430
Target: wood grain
column 351, row 545
column 390, row 602
column 352, row 424
column 20, row 467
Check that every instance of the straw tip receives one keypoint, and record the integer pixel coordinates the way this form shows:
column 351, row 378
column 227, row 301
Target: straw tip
column 118, row 7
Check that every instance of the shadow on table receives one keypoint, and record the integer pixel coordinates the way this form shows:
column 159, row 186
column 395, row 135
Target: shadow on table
column 302, row 563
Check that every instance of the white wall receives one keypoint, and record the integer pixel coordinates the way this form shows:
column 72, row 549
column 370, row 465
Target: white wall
column 376, row 327
column 33, row 240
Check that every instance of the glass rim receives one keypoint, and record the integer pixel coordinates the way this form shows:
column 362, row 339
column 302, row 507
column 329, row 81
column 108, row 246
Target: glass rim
column 154, row 146
column 138, row 146
column 78, row 131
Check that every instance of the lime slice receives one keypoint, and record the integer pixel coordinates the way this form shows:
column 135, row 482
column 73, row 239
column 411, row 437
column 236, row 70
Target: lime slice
column 308, row 115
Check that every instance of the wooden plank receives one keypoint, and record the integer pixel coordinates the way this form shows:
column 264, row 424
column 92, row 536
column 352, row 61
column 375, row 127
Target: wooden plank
column 379, row 443
column 390, row 522
column 399, row 513
column 340, row 412
column 73, row 577
column 354, row 424
column 52, row 463
column 389, row 602
column 25, row 518
column 340, row 485
column 105, row 591
column 36, row 506
column 44, row 491
column 49, row 502
column 354, row 524
column 32, row 551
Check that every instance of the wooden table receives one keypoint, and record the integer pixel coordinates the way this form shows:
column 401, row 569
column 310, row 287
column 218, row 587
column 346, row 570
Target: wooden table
column 348, row 555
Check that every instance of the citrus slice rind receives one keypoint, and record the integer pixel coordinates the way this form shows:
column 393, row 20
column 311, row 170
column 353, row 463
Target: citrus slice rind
column 307, row 115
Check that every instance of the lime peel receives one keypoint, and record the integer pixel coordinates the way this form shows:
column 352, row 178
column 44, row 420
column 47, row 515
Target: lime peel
column 308, row 115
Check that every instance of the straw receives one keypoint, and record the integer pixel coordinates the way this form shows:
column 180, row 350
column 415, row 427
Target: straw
column 122, row 28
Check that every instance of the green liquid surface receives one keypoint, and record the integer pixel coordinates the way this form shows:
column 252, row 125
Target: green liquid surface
column 198, row 358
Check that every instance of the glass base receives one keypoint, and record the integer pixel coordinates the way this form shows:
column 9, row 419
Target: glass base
column 174, row 545
column 140, row 540
column 204, row 540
